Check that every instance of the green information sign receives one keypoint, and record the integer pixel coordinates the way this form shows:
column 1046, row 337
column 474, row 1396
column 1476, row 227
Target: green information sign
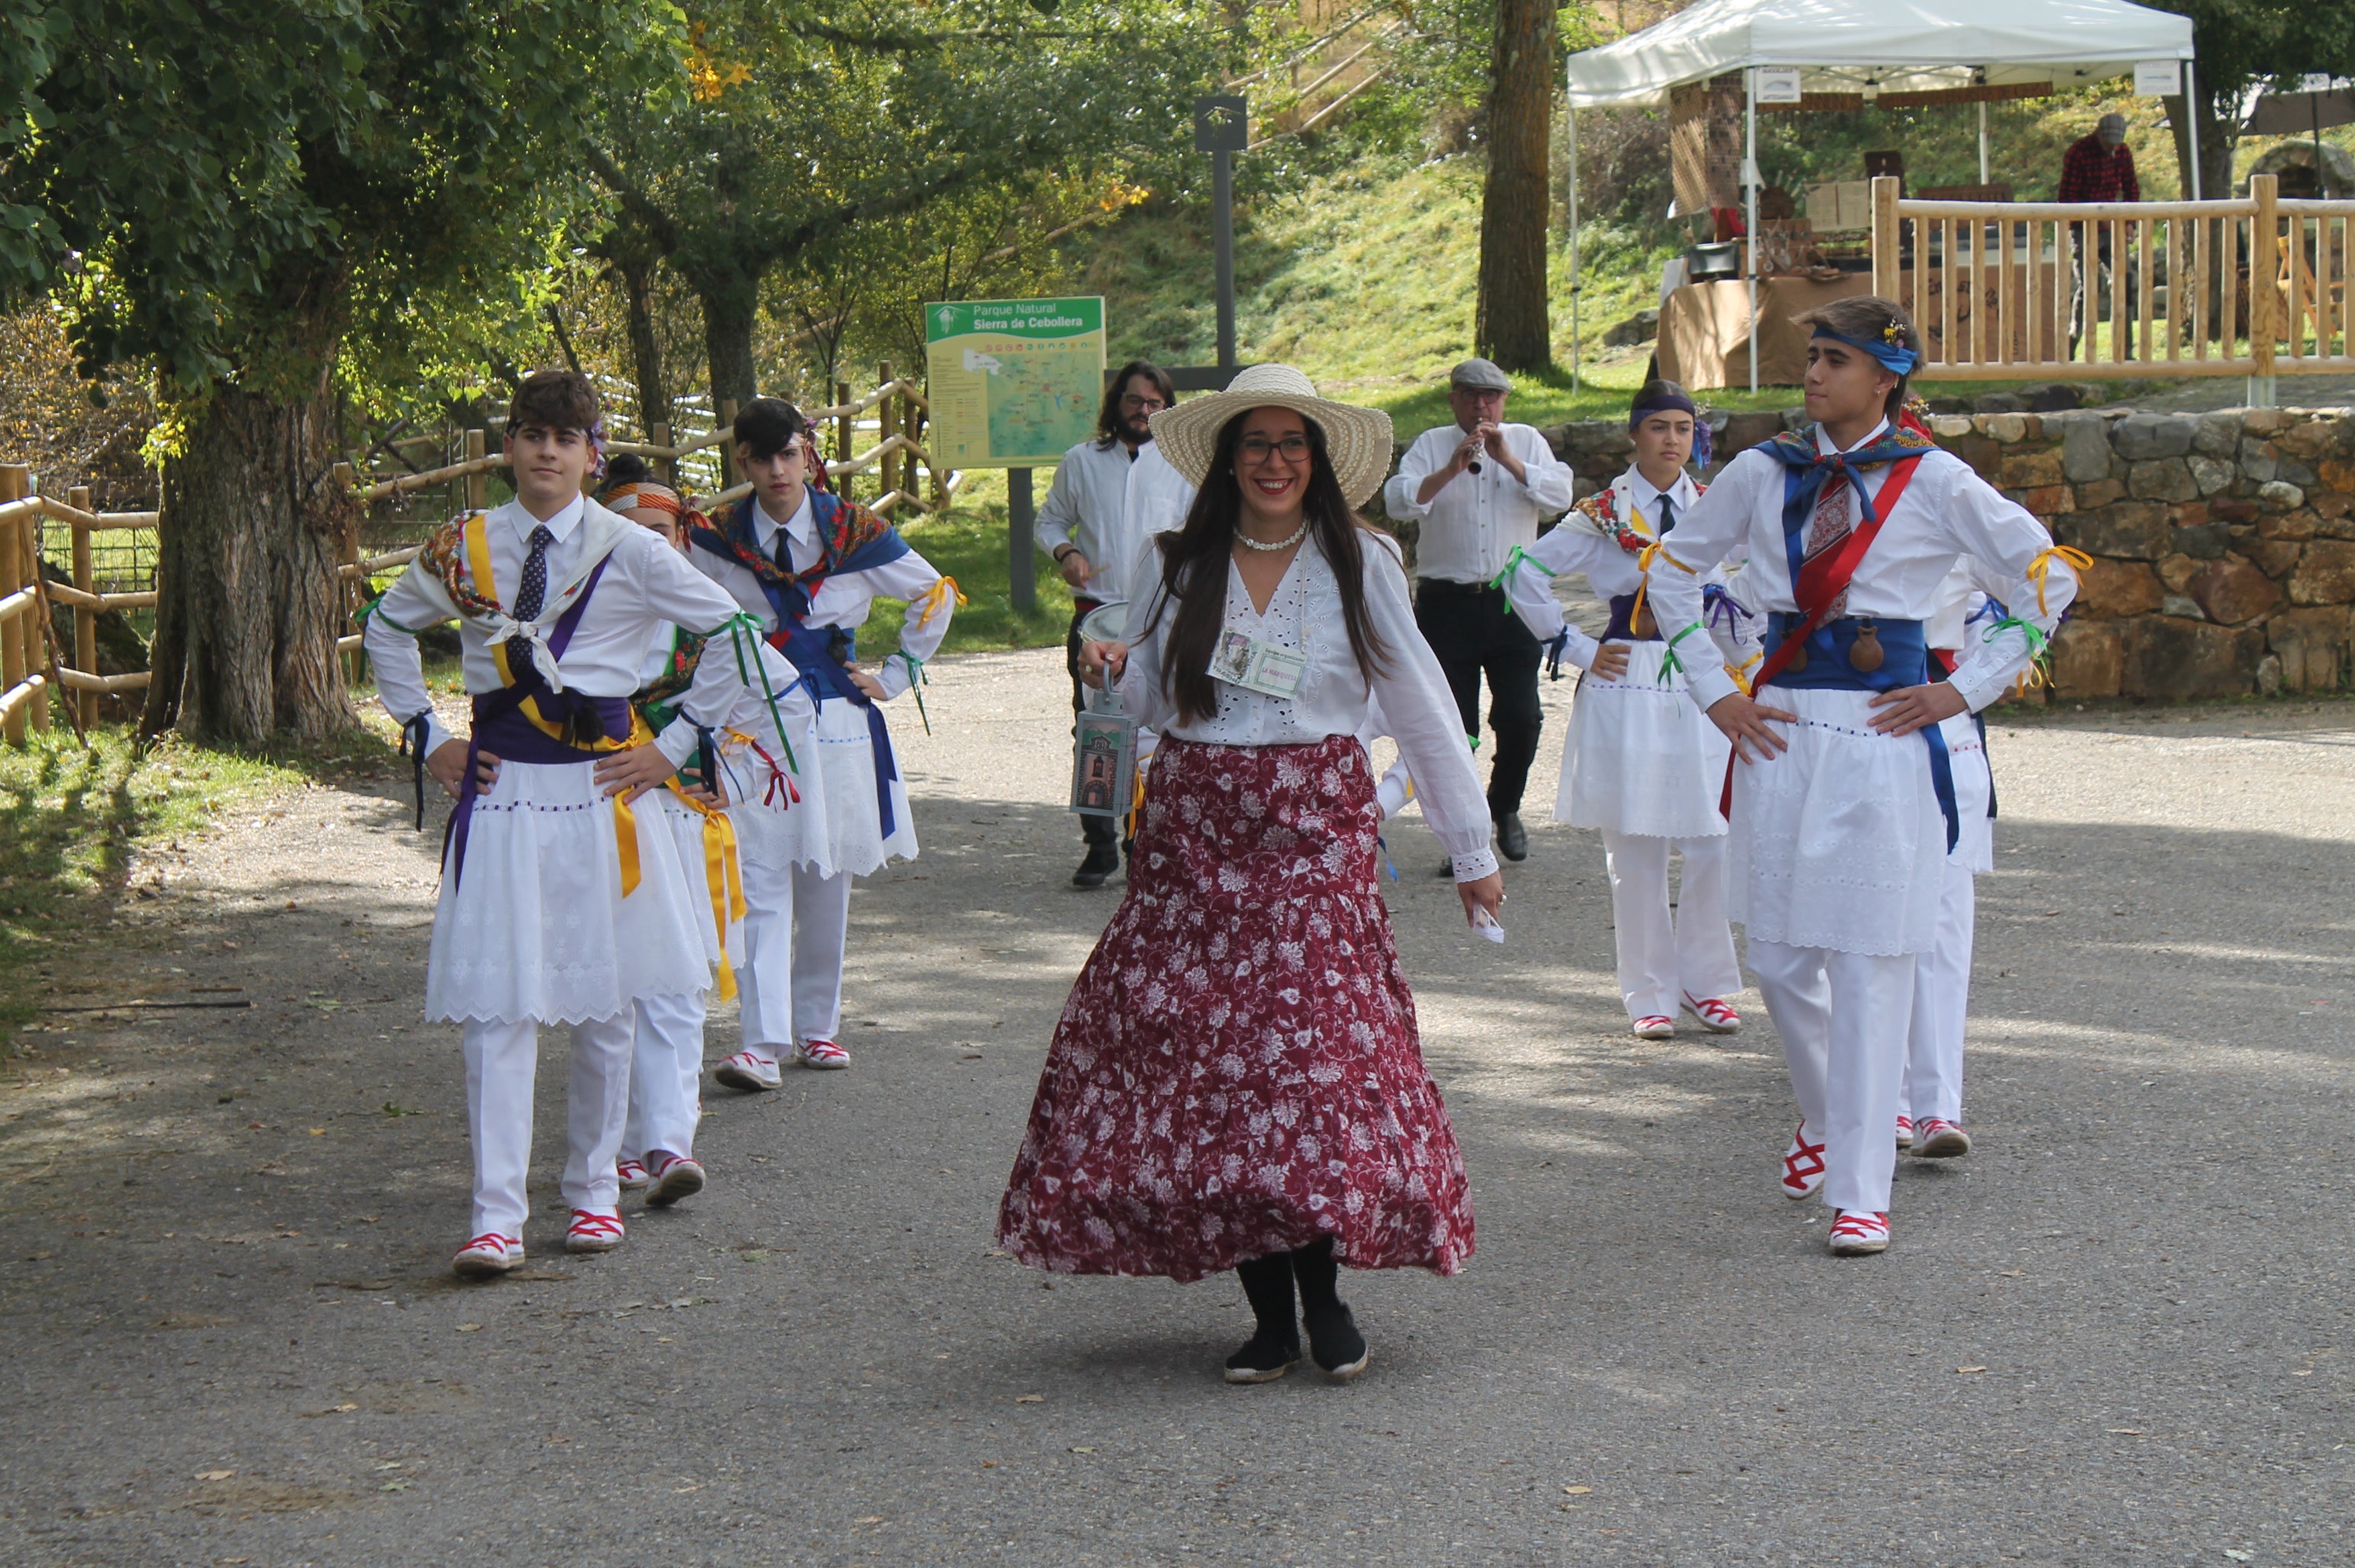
column 1013, row 383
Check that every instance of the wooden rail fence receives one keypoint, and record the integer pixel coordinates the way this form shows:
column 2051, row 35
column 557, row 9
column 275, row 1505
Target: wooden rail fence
column 2255, row 286
column 32, row 665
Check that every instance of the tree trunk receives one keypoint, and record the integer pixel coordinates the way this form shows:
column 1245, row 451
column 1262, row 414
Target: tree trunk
column 1509, row 322
column 247, row 608
column 645, row 352
column 731, row 308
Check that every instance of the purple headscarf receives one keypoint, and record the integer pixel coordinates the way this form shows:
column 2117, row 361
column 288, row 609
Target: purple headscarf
column 1670, row 398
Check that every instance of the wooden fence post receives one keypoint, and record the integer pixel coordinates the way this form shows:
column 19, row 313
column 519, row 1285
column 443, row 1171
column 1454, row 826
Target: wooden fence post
column 912, row 420
column 886, row 467
column 659, row 434
column 1886, row 236
column 85, row 577
column 16, row 483
column 478, row 484
column 352, row 589
column 842, row 435
column 2265, row 304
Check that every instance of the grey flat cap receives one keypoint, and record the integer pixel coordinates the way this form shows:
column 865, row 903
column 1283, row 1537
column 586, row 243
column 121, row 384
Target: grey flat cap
column 1480, row 375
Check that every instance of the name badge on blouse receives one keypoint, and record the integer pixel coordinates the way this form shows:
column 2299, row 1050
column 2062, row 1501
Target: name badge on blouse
column 1257, row 665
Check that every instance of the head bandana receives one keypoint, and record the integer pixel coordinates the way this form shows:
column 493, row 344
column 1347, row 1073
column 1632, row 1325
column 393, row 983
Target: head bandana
column 1888, row 348
column 645, row 496
column 1677, row 402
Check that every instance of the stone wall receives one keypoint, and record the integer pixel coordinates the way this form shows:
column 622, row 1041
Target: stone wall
column 2224, row 544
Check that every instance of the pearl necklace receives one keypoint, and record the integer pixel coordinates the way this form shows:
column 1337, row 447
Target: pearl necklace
column 1285, row 543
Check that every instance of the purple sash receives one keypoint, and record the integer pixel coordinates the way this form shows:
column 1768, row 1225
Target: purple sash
column 499, row 719
column 1623, row 623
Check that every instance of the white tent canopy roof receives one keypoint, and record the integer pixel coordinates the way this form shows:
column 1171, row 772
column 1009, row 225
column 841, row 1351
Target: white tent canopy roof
column 1847, row 46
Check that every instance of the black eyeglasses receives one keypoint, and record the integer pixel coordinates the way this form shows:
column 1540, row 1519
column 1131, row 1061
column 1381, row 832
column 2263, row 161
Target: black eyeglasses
column 1255, row 449
column 1147, row 405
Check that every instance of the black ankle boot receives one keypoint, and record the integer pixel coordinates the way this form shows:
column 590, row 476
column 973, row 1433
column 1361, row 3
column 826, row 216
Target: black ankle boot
column 1103, row 860
column 1334, row 1342
column 1275, row 1345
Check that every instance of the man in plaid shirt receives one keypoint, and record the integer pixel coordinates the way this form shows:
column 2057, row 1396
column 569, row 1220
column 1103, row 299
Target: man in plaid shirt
column 2099, row 168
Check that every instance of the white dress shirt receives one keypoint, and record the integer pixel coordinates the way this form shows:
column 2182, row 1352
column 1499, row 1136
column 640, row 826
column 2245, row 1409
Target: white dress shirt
column 1577, row 546
column 1089, row 504
column 844, row 598
column 1947, row 511
column 1471, row 526
column 1410, row 702
column 1158, row 499
column 646, row 587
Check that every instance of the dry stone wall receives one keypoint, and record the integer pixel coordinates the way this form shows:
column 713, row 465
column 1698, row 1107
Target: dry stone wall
column 2224, row 544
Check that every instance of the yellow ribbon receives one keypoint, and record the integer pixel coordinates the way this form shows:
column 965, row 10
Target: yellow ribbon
column 2041, row 567
column 936, row 597
column 722, row 877
column 1739, row 673
column 1644, row 558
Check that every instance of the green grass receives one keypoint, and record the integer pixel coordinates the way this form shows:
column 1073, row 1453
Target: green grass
column 970, row 545
column 71, row 820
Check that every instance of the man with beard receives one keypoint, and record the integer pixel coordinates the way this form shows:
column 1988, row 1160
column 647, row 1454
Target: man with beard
column 1088, row 527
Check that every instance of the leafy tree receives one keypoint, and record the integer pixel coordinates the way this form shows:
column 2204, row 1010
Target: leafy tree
column 276, row 202
column 802, row 124
column 2241, row 44
column 1509, row 323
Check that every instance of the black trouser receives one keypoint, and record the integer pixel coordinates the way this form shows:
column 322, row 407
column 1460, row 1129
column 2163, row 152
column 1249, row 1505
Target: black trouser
column 1473, row 633
column 1092, row 829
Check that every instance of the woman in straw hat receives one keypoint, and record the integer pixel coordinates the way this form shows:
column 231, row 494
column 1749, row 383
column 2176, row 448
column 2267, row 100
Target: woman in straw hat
column 1236, row 1081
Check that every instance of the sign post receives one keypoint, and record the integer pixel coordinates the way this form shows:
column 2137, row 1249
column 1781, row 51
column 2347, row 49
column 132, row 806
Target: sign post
column 1013, row 383
column 1222, row 129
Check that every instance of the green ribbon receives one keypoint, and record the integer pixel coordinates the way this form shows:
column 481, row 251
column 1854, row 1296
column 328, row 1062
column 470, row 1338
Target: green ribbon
column 917, row 680
column 1670, row 663
column 740, row 626
column 1514, row 563
column 2037, row 641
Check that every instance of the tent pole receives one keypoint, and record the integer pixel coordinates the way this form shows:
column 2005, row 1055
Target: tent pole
column 2191, row 130
column 1986, row 175
column 1574, row 279
column 1750, row 207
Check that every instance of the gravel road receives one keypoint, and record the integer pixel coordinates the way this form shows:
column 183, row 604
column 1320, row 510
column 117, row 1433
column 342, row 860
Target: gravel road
column 2119, row 1332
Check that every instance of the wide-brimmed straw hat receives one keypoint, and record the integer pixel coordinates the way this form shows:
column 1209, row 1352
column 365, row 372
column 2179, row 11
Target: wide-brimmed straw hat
column 1358, row 440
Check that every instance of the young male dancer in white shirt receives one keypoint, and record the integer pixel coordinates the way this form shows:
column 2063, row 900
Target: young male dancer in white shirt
column 559, row 905
column 1841, row 806
column 806, row 565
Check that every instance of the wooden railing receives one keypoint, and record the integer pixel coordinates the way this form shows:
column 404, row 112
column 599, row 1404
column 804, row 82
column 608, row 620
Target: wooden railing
column 32, row 665
column 31, row 661
column 2255, row 286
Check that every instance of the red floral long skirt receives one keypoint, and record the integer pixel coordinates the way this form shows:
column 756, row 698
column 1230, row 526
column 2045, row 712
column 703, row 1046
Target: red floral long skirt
column 1237, row 1072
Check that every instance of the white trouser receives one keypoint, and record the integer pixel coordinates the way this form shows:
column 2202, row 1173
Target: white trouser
column 501, row 1061
column 666, row 1077
column 1933, row 1082
column 764, row 980
column 1660, row 955
column 822, row 916
column 1842, row 1019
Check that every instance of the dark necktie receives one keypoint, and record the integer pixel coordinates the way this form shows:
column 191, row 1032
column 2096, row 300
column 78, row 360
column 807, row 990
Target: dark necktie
column 1667, row 514
column 533, row 588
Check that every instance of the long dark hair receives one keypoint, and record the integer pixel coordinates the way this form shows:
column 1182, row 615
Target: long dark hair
column 1194, row 570
column 1108, row 411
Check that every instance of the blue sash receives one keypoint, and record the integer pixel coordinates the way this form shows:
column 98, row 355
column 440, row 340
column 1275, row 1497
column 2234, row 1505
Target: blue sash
column 1905, row 661
column 812, row 653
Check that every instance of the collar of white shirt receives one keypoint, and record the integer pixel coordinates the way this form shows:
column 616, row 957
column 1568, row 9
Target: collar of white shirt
column 1645, row 494
column 1824, row 441
column 559, row 526
column 802, row 527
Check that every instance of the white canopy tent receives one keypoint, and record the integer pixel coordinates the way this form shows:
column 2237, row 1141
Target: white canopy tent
column 1868, row 47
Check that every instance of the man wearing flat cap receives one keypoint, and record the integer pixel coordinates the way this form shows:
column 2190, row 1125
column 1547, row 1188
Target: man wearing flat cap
column 2098, row 168
column 1481, row 487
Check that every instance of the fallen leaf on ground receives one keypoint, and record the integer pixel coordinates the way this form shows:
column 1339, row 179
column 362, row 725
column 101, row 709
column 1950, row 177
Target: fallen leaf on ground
column 1577, row 1491
column 1083, row 1450
column 215, row 1475
column 317, row 1132
column 1970, row 1369
column 2123, row 1431
column 468, row 1327
column 1029, row 1399
column 2236, row 1556
column 871, row 1518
